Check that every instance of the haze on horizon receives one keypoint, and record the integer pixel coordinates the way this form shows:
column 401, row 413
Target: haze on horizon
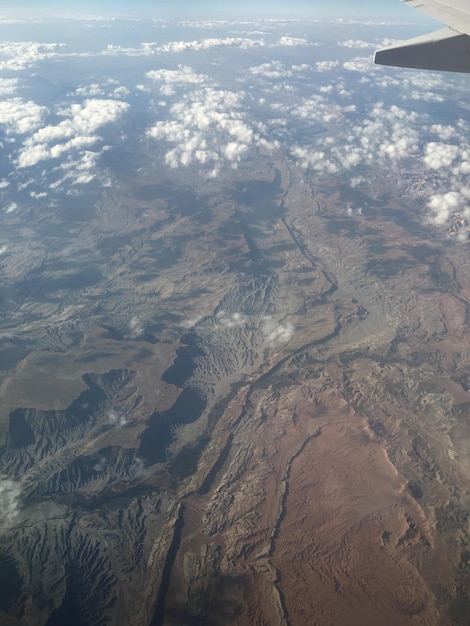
column 215, row 9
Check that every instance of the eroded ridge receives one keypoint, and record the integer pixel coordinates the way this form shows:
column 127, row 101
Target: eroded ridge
column 267, row 424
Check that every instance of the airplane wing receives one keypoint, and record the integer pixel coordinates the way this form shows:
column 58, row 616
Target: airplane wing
column 447, row 49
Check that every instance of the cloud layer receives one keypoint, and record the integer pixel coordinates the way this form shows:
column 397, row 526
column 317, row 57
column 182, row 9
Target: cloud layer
column 335, row 115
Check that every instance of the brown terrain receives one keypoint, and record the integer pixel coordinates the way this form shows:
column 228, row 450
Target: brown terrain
column 272, row 426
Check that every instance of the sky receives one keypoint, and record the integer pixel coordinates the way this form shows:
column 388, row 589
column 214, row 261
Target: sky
column 350, row 9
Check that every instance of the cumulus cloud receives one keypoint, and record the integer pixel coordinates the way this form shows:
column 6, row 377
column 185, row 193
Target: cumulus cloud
column 151, row 48
column 315, row 160
column 441, row 206
column 357, row 181
column 356, row 43
column 8, row 86
column 183, row 75
column 34, row 153
column 74, row 133
column 319, row 109
column 225, row 319
column 23, row 54
column 384, row 81
column 136, row 326
column 424, row 86
column 361, row 64
column 243, row 43
column 440, row 155
column 116, row 419
column 293, row 41
column 443, row 132
column 427, row 96
column 208, row 126
column 326, row 66
column 424, row 81
column 350, row 211
column 10, row 494
column 78, row 171
column 191, row 322
column 20, row 116
column 277, row 70
column 384, row 136
column 144, row 49
column 276, row 333
column 84, row 118
column 109, row 89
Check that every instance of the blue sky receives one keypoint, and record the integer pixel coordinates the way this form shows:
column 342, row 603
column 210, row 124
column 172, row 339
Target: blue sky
column 368, row 9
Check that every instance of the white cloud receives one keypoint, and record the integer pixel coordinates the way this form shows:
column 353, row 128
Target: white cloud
column 320, row 110
column 136, row 326
column 79, row 170
column 441, row 206
column 361, row 64
column 277, row 70
column 3, row 249
column 424, row 81
column 243, row 43
column 326, row 66
column 356, row 43
column 443, row 132
column 426, row 96
column 224, row 319
column 276, row 333
column 109, row 89
column 383, row 137
column 90, row 91
column 293, row 41
column 8, row 86
column 11, row 208
column 206, row 23
column 20, row 116
column 23, row 54
column 116, row 419
column 208, row 126
column 145, row 49
column 385, row 81
column 357, row 181
column 440, row 155
column 192, row 322
column 10, row 493
column 35, row 153
column 84, row 118
column 315, row 160
column 184, row 75
column 425, row 86
column 74, row 133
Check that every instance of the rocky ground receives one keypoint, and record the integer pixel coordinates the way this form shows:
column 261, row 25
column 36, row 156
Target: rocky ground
column 241, row 401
